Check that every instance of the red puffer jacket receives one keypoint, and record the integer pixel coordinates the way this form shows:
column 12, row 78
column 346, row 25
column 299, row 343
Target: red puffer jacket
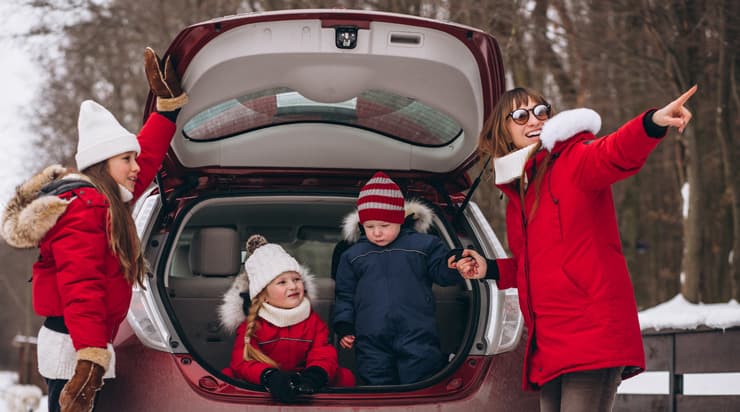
column 574, row 288
column 77, row 275
column 294, row 348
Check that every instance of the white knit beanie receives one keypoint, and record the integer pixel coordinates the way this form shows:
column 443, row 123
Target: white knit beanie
column 267, row 261
column 101, row 136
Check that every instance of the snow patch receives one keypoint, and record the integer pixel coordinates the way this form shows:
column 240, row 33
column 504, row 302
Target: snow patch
column 678, row 313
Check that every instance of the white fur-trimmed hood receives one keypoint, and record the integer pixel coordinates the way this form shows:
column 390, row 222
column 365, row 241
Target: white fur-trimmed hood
column 422, row 220
column 29, row 215
column 231, row 312
column 567, row 124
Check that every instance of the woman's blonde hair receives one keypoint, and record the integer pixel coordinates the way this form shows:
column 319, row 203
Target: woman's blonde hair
column 122, row 236
column 252, row 352
column 496, row 141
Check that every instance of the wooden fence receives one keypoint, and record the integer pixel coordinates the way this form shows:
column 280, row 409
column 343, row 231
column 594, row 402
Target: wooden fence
column 681, row 352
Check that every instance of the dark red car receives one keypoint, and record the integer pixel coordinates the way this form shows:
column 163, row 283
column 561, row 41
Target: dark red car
column 290, row 113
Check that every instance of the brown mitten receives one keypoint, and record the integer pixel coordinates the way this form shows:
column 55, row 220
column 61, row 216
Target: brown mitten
column 78, row 395
column 164, row 84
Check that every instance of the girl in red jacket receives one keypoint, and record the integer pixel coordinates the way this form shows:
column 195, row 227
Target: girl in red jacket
column 574, row 289
column 281, row 344
column 89, row 252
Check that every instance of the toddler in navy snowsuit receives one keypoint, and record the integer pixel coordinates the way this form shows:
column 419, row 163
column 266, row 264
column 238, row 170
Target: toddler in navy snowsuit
column 384, row 302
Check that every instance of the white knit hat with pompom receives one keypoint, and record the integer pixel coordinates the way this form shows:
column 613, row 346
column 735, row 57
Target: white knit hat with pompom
column 266, row 262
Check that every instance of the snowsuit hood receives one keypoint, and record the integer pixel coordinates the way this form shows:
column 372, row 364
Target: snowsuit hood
column 419, row 214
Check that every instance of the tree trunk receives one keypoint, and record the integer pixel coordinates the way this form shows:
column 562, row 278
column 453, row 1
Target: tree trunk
column 727, row 27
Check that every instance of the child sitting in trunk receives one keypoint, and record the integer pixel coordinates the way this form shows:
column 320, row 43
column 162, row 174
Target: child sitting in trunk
column 280, row 342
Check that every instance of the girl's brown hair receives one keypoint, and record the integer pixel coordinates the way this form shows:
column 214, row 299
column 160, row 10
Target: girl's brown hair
column 122, row 236
column 496, row 141
column 251, row 352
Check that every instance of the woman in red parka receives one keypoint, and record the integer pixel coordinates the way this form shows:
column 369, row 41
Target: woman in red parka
column 89, row 251
column 281, row 343
column 574, row 289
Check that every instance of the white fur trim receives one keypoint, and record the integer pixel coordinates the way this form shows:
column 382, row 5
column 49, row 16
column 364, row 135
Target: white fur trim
column 231, row 313
column 28, row 216
column 423, row 216
column 567, row 124
column 26, row 228
column 57, row 357
column 350, row 229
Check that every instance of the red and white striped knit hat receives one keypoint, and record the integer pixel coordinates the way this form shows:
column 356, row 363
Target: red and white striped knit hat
column 381, row 199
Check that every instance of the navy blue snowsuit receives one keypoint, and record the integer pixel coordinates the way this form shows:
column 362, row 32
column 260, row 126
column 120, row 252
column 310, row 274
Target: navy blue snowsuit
column 385, row 293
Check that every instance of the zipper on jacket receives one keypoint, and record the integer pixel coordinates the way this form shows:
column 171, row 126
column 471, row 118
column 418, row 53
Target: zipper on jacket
column 554, row 199
column 549, row 179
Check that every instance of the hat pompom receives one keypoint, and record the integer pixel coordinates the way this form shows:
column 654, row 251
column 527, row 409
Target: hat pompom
column 254, row 242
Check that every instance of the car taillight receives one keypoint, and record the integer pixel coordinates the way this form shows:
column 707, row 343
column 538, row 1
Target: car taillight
column 505, row 322
column 143, row 315
column 145, row 320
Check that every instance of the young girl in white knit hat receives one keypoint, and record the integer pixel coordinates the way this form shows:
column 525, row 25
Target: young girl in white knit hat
column 89, row 252
column 280, row 342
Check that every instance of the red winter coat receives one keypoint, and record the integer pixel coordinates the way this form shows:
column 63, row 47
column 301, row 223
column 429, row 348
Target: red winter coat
column 293, row 348
column 574, row 289
column 77, row 275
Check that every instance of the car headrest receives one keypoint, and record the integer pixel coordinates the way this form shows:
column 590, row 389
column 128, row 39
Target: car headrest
column 214, row 251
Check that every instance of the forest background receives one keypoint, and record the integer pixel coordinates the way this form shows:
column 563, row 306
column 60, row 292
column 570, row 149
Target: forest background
column 679, row 217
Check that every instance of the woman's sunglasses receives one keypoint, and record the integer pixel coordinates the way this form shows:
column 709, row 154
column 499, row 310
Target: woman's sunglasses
column 521, row 116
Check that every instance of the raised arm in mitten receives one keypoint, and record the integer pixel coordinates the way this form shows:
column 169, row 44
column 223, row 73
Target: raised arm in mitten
column 164, row 83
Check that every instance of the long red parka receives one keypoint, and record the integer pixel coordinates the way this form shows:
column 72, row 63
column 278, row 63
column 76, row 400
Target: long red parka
column 77, row 275
column 293, row 348
column 574, row 288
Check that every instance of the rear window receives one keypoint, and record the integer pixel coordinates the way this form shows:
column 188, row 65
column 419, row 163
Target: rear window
column 395, row 116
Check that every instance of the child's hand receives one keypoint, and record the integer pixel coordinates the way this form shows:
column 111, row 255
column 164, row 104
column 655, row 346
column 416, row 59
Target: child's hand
column 347, row 342
column 282, row 385
column 311, row 380
column 471, row 265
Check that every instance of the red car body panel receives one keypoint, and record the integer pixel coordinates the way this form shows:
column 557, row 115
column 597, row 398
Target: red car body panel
column 481, row 384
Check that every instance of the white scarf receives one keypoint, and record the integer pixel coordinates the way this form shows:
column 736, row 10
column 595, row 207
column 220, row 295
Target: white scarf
column 125, row 194
column 510, row 167
column 285, row 317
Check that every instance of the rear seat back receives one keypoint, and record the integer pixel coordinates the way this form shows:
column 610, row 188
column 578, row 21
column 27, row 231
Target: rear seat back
column 213, row 260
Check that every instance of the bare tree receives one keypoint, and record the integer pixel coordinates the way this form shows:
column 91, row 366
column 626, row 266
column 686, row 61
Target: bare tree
column 617, row 57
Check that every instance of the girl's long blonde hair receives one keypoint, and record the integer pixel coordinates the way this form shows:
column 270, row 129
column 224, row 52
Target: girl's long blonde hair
column 496, row 141
column 252, row 352
column 122, row 236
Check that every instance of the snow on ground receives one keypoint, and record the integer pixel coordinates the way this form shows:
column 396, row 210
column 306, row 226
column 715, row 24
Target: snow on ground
column 676, row 313
column 19, row 398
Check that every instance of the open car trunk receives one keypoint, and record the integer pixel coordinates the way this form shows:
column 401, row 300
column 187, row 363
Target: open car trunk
column 203, row 265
